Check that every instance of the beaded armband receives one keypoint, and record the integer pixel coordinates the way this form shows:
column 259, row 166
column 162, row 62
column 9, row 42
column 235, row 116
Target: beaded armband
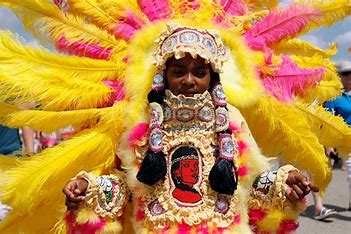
column 269, row 188
column 106, row 195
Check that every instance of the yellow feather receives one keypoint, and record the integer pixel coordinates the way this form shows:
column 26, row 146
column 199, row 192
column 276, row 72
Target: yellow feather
column 302, row 48
column 50, row 121
column 55, row 92
column 331, row 130
column 330, row 86
column 326, row 90
column 280, row 131
column 45, row 21
column 45, row 174
column 105, row 13
column 19, row 60
column 332, row 11
column 258, row 5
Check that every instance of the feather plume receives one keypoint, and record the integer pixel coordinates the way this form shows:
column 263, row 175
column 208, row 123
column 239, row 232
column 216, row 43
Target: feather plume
column 279, row 25
column 258, row 5
column 332, row 131
column 234, row 7
column 56, row 93
column 18, row 60
column 48, row 121
column 332, row 11
column 290, row 80
column 302, row 48
column 122, row 18
column 82, row 49
column 52, row 169
column 47, row 23
column 155, row 9
column 280, row 131
column 326, row 90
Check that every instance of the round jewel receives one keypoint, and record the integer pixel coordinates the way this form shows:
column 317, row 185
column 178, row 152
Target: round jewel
column 189, row 37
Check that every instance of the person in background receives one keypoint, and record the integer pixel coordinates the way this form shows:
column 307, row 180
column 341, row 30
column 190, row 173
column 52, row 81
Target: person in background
column 10, row 141
column 342, row 106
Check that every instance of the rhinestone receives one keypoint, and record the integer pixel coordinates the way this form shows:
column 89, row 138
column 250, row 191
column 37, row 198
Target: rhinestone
column 185, row 114
column 222, row 205
column 169, row 44
column 189, row 38
column 208, row 43
column 167, row 111
column 155, row 208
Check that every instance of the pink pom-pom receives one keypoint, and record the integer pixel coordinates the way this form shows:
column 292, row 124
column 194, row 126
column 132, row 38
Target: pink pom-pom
column 241, row 147
column 233, row 127
column 242, row 171
column 287, row 226
column 237, row 219
column 137, row 133
column 184, row 228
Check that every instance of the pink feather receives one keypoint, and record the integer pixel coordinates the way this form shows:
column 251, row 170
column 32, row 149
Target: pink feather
column 117, row 92
column 234, row 7
column 83, row 49
column 155, row 9
column 233, row 127
column 137, row 133
column 128, row 26
column 290, row 80
column 256, row 215
column 237, row 219
column 279, row 25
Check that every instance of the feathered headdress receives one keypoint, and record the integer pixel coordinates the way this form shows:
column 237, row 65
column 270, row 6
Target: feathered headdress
column 99, row 79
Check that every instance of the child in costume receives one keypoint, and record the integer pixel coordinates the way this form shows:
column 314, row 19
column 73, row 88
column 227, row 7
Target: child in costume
column 198, row 157
column 99, row 86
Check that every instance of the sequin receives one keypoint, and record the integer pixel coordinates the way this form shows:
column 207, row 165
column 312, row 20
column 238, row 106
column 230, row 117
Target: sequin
column 156, row 140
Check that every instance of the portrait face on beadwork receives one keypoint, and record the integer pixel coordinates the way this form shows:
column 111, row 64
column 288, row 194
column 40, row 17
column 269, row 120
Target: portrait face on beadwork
column 185, row 174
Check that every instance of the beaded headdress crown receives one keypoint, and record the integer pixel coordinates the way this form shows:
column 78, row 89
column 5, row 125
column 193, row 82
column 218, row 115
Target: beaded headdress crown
column 178, row 40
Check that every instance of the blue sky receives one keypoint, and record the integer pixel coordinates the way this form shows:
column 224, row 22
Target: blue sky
column 339, row 33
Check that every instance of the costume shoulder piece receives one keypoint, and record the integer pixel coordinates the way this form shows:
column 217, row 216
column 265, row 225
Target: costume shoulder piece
column 103, row 67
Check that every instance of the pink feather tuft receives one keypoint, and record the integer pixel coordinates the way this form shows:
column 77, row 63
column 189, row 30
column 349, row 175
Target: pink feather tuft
column 155, row 9
column 233, row 127
column 88, row 227
column 279, row 25
column 287, row 226
column 128, row 26
column 117, row 92
column 202, row 230
column 256, row 216
column 241, row 147
column 290, row 80
column 234, row 7
column 137, row 133
column 83, row 49
column 237, row 219
column 243, row 171
column 184, row 228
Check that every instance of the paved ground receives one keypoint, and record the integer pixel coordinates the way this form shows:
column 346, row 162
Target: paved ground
column 337, row 197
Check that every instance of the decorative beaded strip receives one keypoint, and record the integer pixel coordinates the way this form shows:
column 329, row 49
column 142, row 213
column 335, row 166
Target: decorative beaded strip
column 218, row 95
column 222, row 119
column 158, row 81
column 227, row 149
